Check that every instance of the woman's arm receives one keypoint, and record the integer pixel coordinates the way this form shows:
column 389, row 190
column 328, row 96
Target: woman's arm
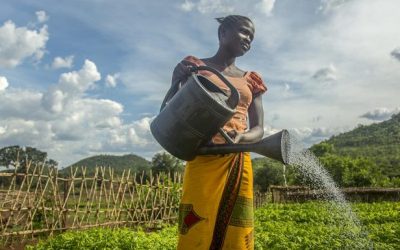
column 256, row 122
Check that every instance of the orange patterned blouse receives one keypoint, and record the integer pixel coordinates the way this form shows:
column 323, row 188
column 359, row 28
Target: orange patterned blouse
column 249, row 86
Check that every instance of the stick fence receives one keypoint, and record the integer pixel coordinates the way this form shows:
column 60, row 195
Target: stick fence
column 41, row 201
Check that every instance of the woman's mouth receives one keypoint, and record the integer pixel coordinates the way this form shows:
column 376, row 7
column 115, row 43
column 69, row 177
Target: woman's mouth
column 245, row 46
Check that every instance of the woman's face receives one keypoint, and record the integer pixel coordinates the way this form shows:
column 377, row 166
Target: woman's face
column 237, row 38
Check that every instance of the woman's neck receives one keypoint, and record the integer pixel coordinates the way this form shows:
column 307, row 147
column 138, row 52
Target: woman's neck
column 223, row 59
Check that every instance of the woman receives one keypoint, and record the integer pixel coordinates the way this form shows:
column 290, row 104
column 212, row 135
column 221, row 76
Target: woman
column 216, row 210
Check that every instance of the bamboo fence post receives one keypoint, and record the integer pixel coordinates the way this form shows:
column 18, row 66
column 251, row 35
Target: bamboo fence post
column 65, row 197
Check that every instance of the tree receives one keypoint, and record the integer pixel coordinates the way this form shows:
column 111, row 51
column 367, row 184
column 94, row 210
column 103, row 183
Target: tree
column 19, row 157
column 362, row 172
column 322, row 148
column 336, row 166
column 350, row 172
column 164, row 162
column 267, row 172
column 268, row 175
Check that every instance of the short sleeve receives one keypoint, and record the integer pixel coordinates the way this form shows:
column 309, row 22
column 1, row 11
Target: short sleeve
column 255, row 83
column 194, row 60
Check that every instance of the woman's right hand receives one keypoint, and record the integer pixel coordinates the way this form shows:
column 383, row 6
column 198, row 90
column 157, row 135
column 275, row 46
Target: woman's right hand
column 182, row 71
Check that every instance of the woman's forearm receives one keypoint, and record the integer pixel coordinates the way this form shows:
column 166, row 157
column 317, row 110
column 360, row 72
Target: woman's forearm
column 256, row 122
column 255, row 134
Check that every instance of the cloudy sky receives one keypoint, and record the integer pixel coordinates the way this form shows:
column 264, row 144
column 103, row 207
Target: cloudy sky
column 85, row 77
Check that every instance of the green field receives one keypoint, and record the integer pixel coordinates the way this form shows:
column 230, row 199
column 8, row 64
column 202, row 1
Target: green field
column 311, row 225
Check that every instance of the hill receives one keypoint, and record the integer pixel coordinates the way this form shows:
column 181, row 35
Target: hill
column 118, row 163
column 378, row 142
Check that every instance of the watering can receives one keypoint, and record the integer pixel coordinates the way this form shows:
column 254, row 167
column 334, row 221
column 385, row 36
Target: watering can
column 197, row 112
column 194, row 115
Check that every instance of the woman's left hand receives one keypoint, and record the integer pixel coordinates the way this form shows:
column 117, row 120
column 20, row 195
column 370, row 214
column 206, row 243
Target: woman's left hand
column 236, row 136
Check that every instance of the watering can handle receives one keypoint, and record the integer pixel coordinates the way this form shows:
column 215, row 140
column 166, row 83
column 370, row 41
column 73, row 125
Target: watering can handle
column 233, row 99
column 226, row 136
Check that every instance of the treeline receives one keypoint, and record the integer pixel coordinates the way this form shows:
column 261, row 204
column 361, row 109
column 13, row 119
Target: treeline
column 17, row 158
column 345, row 171
column 368, row 156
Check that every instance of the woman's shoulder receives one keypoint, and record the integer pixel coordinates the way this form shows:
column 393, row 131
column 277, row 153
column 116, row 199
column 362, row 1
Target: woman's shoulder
column 193, row 59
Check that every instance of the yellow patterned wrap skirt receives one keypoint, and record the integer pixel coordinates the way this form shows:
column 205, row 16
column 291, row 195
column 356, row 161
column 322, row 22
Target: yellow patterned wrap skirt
column 216, row 210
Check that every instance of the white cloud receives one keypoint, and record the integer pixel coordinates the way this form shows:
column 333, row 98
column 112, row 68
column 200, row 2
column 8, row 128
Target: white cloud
column 135, row 135
column 329, row 5
column 214, row 6
column 111, row 80
column 53, row 100
column 317, row 118
column 143, row 125
column 41, row 16
column 60, row 62
column 187, row 6
column 79, row 81
column 266, row 6
column 3, row 83
column 77, row 126
column 326, row 74
column 396, row 53
column 22, row 104
column 380, row 114
column 270, row 130
column 228, row 6
column 25, row 132
column 19, row 43
column 305, row 135
column 310, row 136
column 71, row 85
column 85, row 117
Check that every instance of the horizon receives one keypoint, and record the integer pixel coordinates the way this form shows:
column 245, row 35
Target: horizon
column 77, row 83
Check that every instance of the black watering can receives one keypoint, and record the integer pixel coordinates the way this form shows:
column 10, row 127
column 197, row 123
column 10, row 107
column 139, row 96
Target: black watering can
column 197, row 112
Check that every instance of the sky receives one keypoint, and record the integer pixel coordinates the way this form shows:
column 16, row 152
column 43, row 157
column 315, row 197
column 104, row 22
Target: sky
column 82, row 78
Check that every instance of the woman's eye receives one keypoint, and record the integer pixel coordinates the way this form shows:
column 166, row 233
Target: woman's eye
column 246, row 33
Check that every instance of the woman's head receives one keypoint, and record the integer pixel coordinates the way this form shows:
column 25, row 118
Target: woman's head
column 235, row 33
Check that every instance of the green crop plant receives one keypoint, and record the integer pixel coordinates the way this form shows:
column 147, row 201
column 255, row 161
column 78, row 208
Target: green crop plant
column 310, row 225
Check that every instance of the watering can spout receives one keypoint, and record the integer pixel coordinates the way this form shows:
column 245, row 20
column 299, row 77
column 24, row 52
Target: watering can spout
column 276, row 146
